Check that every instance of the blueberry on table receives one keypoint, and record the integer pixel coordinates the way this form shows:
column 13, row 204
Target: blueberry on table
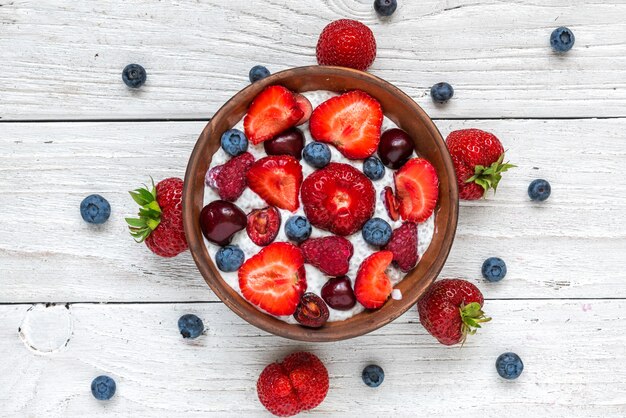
column 190, row 326
column 539, row 190
column 103, row 388
column 229, row 258
column 95, row 209
column 385, row 7
column 298, row 228
column 317, row 154
column 494, row 269
column 441, row 92
column 376, row 232
column 509, row 366
column 562, row 39
column 234, row 142
column 258, row 72
column 134, row 75
column 373, row 375
column 373, row 168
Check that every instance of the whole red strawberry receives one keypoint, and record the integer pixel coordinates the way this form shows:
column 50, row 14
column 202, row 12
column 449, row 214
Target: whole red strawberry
column 450, row 309
column 478, row 161
column 346, row 43
column 160, row 221
column 297, row 384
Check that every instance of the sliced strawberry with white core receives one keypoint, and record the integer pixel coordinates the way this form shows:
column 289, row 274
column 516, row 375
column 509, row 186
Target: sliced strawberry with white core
column 277, row 180
column 305, row 105
column 274, row 279
column 351, row 122
column 372, row 286
column 417, row 190
column 273, row 111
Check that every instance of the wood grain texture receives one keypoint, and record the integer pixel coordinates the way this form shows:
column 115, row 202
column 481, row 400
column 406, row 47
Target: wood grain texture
column 552, row 249
column 572, row 352
column 198, row 52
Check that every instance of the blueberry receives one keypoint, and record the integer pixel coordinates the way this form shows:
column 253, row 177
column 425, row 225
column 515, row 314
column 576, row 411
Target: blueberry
column 258, row 72
column 229, row 258
column 385, row 7
column 509, row 365
column 298, row 228
column 316, row 154
column 103, row 388
column 494, row 269
column 95, row 209
column 190, row 326
column 539, row 190
column 373, row 168
column 441, row 92
column 373, row 376
column 562, row 39
column 377, row 232
column 134, row 75
column 234, row 142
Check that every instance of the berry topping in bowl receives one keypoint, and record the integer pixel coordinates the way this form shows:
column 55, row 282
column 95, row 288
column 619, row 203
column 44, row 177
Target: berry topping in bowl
column 373, row 168
column 372, row 286
column 331, row 255
column 277, row 180
column 229, row 258
column 234, row 142
column 220, row 220
column 273, row 111
column 403, row 246
column 263, row 225
column 376, row 232
column 395, row 148
column 417, row 190
column 317, row 154
column 312, row 311
column 230, row 178
column 290, row 142
column 298, row 228
column 338, row 293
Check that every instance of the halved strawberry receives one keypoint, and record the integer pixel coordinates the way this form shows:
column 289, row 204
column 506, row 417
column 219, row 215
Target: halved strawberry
column 305, row 105
column 263, row 225
column 338, row 198
column 351, row 122
column 273, row 111
column 417, row 189
column 391, row 203
column 372, row 287
column 277, row 180
column 274, row 279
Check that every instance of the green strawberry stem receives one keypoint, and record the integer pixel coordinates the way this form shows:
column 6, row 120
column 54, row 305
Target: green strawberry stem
column 489, row 177
column 149, row 216
column 472, row 316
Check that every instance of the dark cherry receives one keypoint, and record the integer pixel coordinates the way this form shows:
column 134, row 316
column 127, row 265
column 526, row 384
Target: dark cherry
column 220, row 220
column 311, row 312
column 290, row 142
column 395, row 148
column 338, row 293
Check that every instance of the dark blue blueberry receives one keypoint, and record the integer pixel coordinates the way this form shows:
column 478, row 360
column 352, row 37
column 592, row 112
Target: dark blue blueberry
column 298, row 228
column 316, row 154
column 562, row 39
column 234, row 142
column 494, row 269
column 103, row 388
column 385, row 7
column 229, row 258
column 539, row 190
column 134, row 75
column 190, row 326
column 373, row 168
column 373, row 376
column 377, row 232
column 95, row 209
column 441, row 92
column 509, row 365
column 258, row 72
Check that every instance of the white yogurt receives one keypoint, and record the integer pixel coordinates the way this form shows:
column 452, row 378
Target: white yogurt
column 314, row 277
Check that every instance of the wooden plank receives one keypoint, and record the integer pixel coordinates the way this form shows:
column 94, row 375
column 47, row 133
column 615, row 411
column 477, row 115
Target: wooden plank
column 62, row 59
column 49, row 254
column 570, row 351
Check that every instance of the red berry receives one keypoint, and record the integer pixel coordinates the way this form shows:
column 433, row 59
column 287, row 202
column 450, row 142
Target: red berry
column 338, row 198
column 395, row 148
column 230, row 178
column 331, row 255
column 263, row 225
column 290, row 142
column 305, row 105
column 220, row 220
column 403, row 245
column 338, row 293
column 417, row 190
column 346, row 43
column 391, row 203
column 312, row 311
column 277, row 180
column 372, row 286
column 273, row 111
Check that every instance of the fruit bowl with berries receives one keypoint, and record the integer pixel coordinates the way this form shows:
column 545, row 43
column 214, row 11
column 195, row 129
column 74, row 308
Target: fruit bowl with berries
column 320, row 203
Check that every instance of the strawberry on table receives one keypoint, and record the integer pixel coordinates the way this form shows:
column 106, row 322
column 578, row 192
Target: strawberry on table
column 230, row 178
column 346, row 43
column 277, row 180
column 372, row 286
column 273, row 111
column 417, row 190
column 331, row 255
column 450, row 309
column 351, row 122
column 478, row 161
column 274, row 279
column 403, row 245
column 160, row 221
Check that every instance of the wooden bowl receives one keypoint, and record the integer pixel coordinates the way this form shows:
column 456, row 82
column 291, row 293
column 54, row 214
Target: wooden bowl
column 401, row 110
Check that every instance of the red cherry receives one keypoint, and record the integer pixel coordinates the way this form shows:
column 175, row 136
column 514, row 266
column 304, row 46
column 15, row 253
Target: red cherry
column 220, row 220
column 338, row 293
column 290, row 142
column 311, row 311
column 395, row 148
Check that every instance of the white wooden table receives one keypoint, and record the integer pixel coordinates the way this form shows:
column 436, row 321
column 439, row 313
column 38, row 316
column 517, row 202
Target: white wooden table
column 77, row 301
